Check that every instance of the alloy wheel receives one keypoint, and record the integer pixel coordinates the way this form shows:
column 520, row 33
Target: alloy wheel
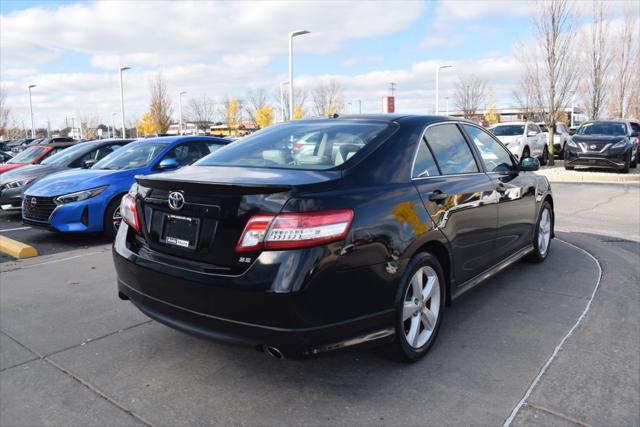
column 544, row 232
column 421, row 307
column 116, row 218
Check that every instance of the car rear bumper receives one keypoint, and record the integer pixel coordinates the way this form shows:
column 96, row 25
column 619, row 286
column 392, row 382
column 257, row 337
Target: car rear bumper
column 261, row 307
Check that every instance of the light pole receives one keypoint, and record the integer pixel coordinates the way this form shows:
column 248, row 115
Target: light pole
column 122, row 100
column 180, row 105
column 282, row 85
column 437, row 84
column 359, row 106
column 291, row 36
column 349, row 105
column 33, row 127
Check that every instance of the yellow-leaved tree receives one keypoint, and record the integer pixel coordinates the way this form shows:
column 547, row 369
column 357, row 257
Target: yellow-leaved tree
column 264, row 116
column 297, row 112
column 491, row 116
column 145, row 124
column 232, row 110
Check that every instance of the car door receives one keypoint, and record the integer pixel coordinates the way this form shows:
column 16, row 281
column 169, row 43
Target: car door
column 458, row 197
column 515, row 191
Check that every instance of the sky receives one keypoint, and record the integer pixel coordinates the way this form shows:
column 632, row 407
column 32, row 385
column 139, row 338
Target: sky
column 72, row 51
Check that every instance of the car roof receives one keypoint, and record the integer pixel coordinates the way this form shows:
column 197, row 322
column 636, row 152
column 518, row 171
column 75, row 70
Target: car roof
column 178, row 138
column 57, row 144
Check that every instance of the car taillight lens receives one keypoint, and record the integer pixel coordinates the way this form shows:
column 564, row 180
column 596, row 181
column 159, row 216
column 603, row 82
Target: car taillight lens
column 129, row 212
column 294, row 230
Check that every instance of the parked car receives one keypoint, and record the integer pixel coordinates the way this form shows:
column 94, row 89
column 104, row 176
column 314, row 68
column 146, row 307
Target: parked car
column 302, row 254
column 5, row 156
column 16, row 145
column 85, row 155
column 635, row 127
column 88, row 200
column 54, row 140
column 33, row 155
column 523, row 139
column 561, row 136
column 604, row 144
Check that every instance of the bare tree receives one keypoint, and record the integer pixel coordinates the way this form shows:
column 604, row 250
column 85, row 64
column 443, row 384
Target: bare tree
column 89, row 123
column 254, row 101
column 4, row 110
column 300, row 95
column 626, row 54
column 469, row 94
column 201, row 112
column 526, row 96
column 327, row 98
column 598, row 57
column 556, row 72
column 161, row 108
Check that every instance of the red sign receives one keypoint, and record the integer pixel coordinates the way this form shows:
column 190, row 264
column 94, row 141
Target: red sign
column 388, row 104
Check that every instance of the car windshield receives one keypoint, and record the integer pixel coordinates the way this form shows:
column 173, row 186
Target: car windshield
column 508, row 130
column 28, row 155
column 132, row 156
column 65, row 156
column 603, row 128
column 319, row 145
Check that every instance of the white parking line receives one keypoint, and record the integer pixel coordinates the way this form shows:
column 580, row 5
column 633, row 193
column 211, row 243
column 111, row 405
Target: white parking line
column 14, row 229
column 522, row 401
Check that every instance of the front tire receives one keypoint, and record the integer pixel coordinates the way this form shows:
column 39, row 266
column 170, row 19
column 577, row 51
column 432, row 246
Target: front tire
column 112, row 218
column 419, row 306
column 634, row 163
column 627, row 164
column 542, row 236
column 545, row 156
column 525, row 153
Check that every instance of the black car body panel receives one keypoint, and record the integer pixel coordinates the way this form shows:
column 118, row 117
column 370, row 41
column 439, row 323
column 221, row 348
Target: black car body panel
column 310, row 300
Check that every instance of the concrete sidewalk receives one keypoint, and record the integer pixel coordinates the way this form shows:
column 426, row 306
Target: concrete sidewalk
column 558, row 173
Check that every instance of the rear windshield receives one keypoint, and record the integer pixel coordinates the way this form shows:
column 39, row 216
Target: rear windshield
column 321, row 145
column 603, row 128
column 508, row 130
column 132, row 156
column 28, row 155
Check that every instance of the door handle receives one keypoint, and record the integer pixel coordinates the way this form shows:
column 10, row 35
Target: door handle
column 500, row 188
column 437, row 196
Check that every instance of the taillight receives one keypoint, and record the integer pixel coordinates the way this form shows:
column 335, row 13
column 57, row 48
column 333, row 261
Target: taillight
column 294, row 230
column 129, row 212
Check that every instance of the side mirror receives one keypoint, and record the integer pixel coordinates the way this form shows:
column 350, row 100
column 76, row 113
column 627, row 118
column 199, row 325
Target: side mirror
column 529, row 164
column 532, row 133
column 86, row 164
column 168, row 163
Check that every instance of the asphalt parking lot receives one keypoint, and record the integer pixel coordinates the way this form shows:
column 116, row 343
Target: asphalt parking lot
column 71, row 353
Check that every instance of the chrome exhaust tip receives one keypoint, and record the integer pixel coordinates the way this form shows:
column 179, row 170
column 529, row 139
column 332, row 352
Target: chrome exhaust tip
column 273, row 352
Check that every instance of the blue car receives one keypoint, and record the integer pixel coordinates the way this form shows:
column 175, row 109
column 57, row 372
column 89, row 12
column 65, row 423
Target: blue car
column 88, row 200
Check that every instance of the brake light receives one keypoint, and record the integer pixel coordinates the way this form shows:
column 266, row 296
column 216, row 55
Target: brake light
column 294, row 230
column 129, row 212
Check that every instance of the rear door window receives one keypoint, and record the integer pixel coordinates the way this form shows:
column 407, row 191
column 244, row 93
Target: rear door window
column 425, row 164
column 451, row 151
column 305, row 145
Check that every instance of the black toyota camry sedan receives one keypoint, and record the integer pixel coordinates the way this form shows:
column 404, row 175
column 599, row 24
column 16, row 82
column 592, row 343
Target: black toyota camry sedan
column 610, row 144
column 363, row 234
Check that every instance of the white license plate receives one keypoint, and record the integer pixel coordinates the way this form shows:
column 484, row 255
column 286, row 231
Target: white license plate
column 177, row 242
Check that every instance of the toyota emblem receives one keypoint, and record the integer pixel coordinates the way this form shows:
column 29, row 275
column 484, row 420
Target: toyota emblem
column 176, row 200
column 593, row 146
column 34, row 202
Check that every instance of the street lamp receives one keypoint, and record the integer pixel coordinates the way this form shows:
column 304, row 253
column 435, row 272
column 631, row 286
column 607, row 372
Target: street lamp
column 122, row 100
column 437, row 83
column 282, row 85
column 291, row 36
column 33, row 128
column 180, row 106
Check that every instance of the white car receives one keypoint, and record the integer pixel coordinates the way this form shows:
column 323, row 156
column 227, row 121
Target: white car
column 561, row 136
column 523, row 139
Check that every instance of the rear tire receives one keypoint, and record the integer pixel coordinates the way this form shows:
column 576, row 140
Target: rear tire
column 542, row 235
column 545, row 156
column 419, row 305
column 111, row 217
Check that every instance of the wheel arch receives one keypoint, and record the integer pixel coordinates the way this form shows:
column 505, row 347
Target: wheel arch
column 439, row 250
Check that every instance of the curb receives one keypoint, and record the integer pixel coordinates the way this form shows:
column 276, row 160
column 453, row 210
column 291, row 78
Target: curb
column 613, row 179
column 16, row 249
